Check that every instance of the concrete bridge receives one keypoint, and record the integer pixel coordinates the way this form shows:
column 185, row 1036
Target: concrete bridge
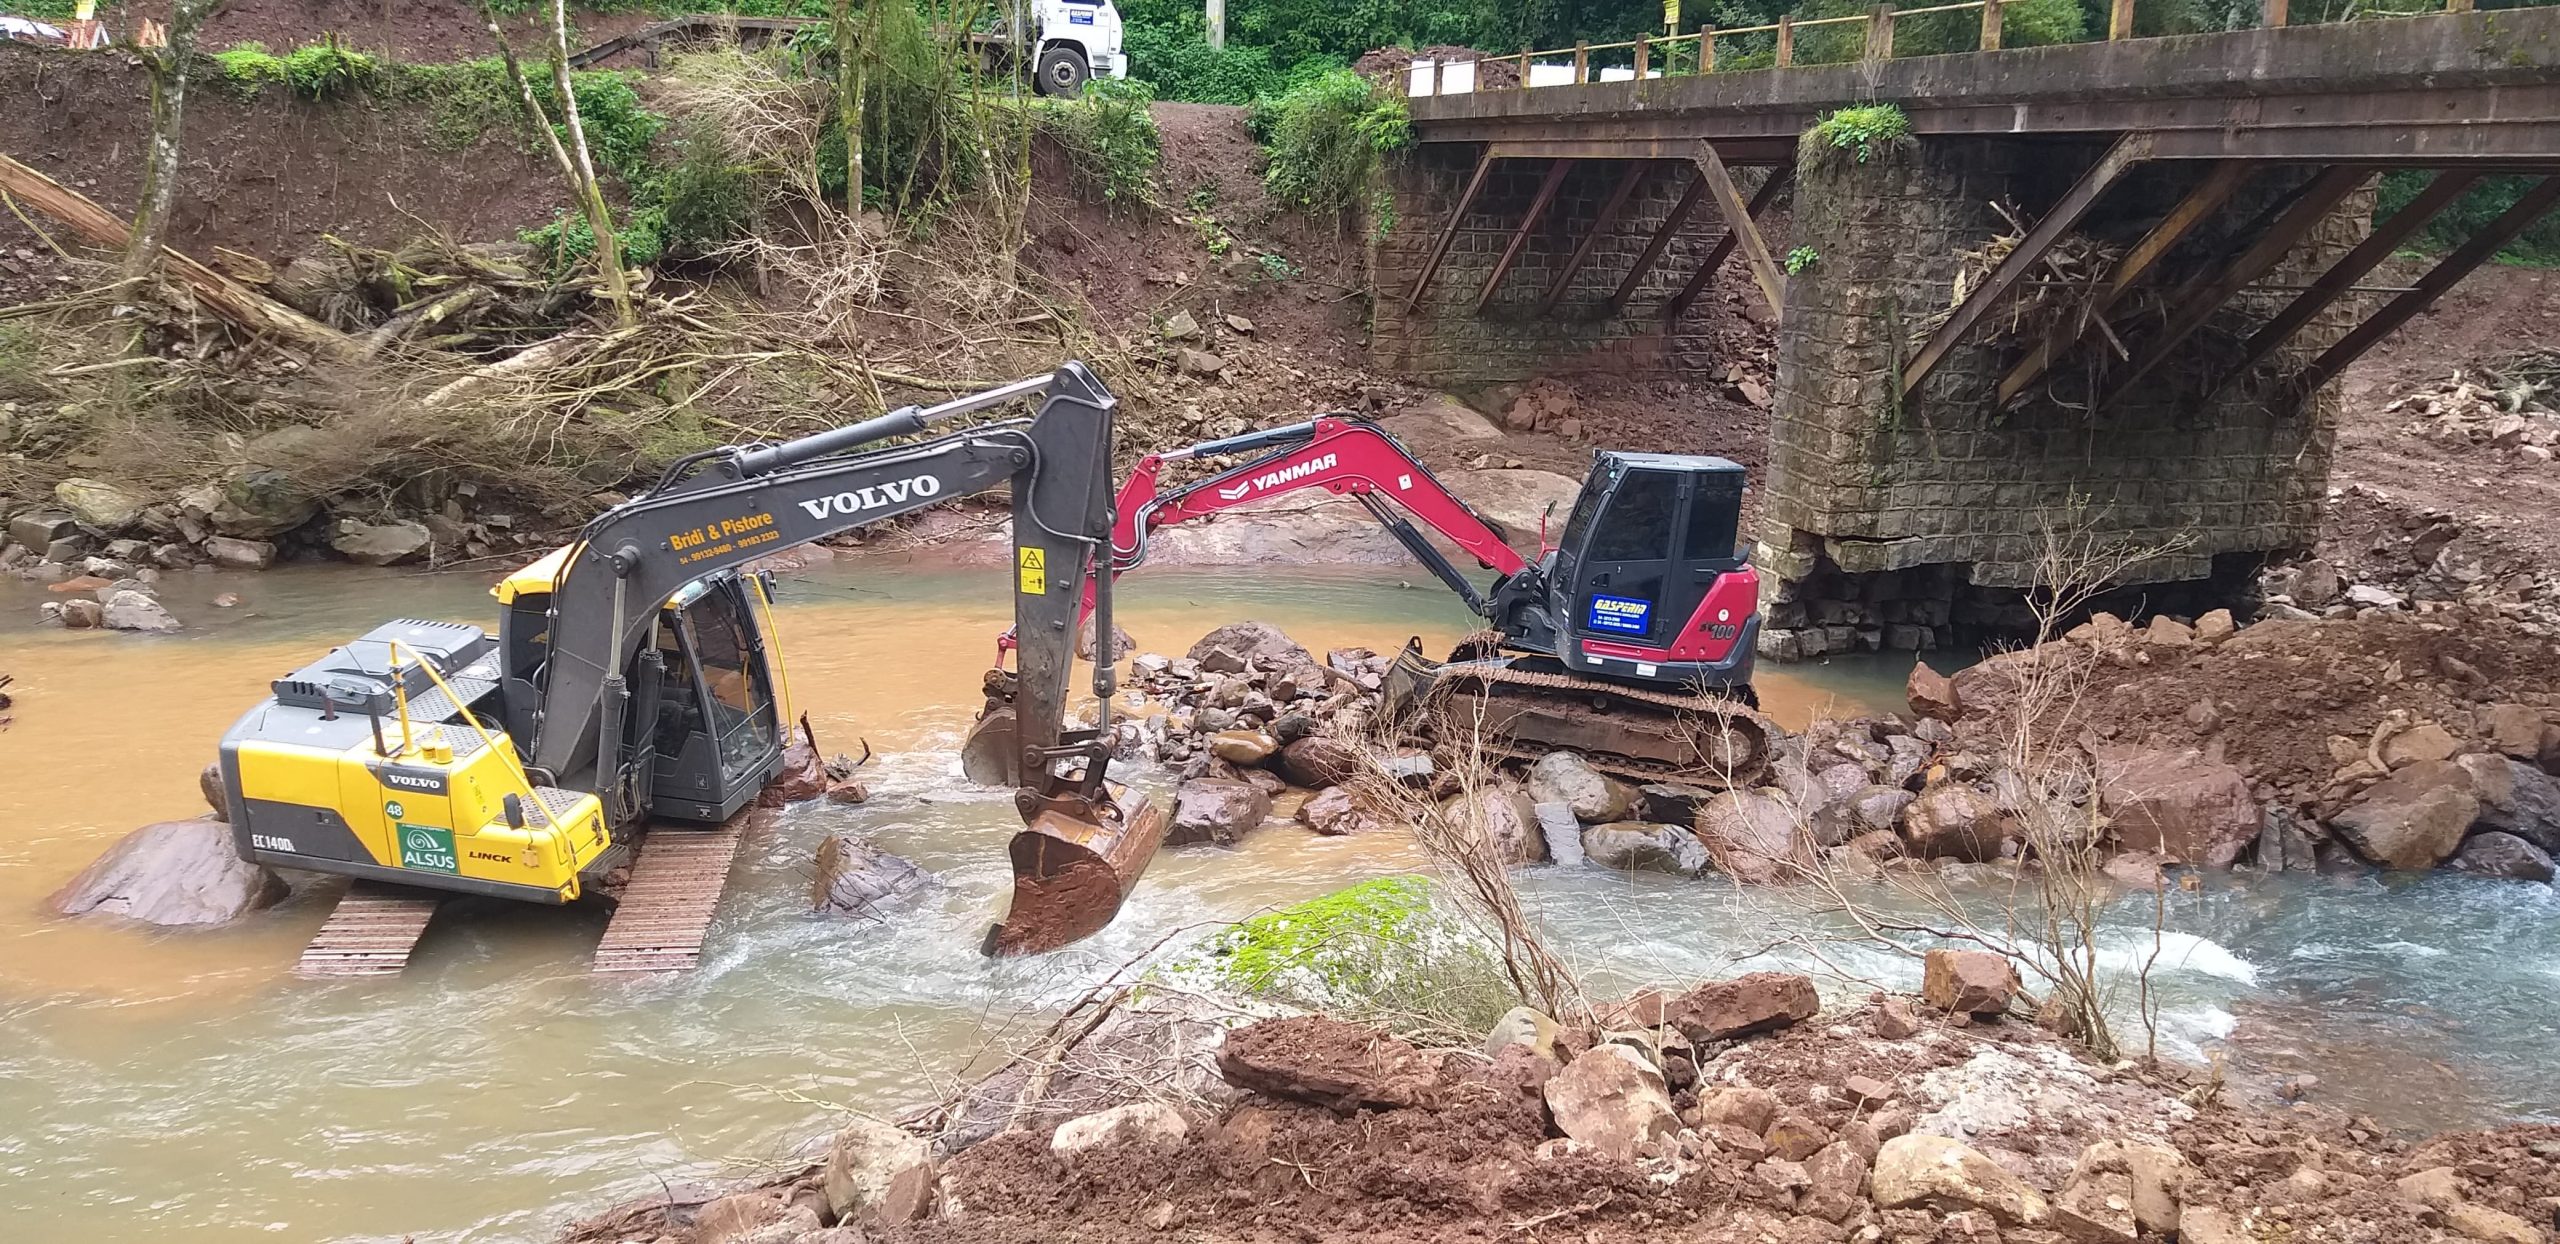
column 2098, row 296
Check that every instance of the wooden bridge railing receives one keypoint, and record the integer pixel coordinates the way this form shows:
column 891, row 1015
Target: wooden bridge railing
column 1674, row 55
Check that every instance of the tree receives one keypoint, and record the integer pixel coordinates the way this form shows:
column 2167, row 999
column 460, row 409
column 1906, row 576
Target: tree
column 168, row 66
column 851, row 49
column 572, row 159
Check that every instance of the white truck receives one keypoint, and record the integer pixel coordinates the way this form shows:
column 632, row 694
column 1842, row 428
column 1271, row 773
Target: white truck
column 1061, row 44
column 1076, row 40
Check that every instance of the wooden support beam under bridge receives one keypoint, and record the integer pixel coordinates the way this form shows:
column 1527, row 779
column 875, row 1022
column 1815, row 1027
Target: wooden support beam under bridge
column 2343, row 275
column 1600, row 226
column 2492, row 238
column 2129, row 150
column 1556, row 169
column 1449, row 233
column 1662, row 235
column 2198, row 299
column 2066, row 332
column 1779, row 179
column 1737, row 218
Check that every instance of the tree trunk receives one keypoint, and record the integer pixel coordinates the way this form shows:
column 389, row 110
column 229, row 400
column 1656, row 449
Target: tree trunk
column 578, row 171
column 255, row 313
column 851, row 53
column 169, row 68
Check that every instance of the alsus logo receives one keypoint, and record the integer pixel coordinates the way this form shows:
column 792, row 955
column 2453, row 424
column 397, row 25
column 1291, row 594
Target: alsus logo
column 873, row 496
column 1277, row 476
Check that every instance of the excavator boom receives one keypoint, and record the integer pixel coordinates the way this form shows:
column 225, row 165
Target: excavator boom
column 1549, row 675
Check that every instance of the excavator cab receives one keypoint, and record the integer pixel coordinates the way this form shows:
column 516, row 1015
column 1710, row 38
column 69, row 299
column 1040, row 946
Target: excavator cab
column 715, row 738
column 1648, row 581
column 704, row 731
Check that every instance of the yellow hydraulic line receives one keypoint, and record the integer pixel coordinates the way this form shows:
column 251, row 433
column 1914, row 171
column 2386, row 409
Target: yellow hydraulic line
column 773, row 649
column 400, row 698
column 514, row 765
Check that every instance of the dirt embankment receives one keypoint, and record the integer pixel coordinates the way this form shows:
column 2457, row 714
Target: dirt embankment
column 1732, row 1113
column 265, row 176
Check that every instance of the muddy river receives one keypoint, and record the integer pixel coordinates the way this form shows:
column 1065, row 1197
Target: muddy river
column 188, row 1082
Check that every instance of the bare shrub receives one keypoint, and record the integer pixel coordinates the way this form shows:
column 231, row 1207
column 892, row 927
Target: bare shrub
column 1454, row 834
column 2052, row 919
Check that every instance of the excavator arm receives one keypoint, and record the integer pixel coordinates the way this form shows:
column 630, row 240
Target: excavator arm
column 1342, row 455
column 722, row 509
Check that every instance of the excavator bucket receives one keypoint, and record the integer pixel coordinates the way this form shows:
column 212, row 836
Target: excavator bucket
column 992, row 753
column 1073, row 865
column 1524, row 711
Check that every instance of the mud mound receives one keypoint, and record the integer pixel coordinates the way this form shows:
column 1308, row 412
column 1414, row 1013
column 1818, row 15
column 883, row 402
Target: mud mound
column 1388, row 66
column 2279, row 690
column 412, row 30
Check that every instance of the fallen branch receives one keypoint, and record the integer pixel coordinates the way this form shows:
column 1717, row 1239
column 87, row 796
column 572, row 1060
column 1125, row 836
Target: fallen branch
column 251, row 311
column 525, row 362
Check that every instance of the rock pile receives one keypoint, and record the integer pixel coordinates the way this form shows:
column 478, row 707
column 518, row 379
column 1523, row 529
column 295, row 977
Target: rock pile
column 1883, row 1123
column 2383, row 737
column 2512, row 420
column 108, row 593
column 248, row 519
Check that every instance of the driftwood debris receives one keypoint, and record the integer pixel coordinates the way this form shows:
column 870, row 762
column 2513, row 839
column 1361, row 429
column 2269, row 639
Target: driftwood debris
column 253, row 312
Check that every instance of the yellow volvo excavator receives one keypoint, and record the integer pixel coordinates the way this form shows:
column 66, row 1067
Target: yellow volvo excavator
column 632, row 681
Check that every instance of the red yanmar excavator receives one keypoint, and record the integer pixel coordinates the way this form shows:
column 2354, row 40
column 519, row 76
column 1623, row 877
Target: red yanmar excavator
column 1630, row 639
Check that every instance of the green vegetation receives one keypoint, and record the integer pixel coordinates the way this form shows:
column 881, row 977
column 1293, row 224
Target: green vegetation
column 1863, row 132
column 323, row 70
column 1111, row 136
column 1325, row 137
column 2538, row 246
column 1382, row 949
column 1801, row 260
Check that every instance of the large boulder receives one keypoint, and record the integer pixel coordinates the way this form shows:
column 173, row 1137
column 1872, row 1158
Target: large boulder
column 129, row 610
column 1932, row 694
column 1611, row 1099
column 867, row 1163
column 38, row 529
column 1506, row 817
column 803, row 777
column 1326, row 1062
column 857, row 878
column 1635, row 846
column 1564, row 777
column 2516, row 797
column 100, row 506
column 178, row 873
column 1216, row 810
column 1935, row 1173
column 381, row 544
column 1977, row 982
column 1876, row 809
column 1317, row 761
column 1756, row 1002
column 233, row 554
column 1243, row 747
column 1143, row 1124
column 2413, row 819
column 256, row 504
column 2496, row 854
column 1755, row 835
column 1335, row 812
column 1953, row 821
column 2177, row 804
column 1228, row 649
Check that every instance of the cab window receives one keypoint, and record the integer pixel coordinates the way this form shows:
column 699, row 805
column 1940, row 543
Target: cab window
column 1638, row 526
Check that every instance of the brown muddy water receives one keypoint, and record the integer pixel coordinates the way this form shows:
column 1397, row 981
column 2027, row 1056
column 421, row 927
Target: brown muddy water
column 156, row 1082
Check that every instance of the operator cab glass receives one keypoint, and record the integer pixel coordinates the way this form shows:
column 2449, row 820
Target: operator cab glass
column 1649, row 535
column 715, row 733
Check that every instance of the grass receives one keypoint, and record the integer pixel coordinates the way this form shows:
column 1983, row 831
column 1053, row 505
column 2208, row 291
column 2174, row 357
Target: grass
column 1381, row 950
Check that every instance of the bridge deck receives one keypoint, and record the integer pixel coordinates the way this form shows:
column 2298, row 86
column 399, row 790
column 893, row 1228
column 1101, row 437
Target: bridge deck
column 2473, row 88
